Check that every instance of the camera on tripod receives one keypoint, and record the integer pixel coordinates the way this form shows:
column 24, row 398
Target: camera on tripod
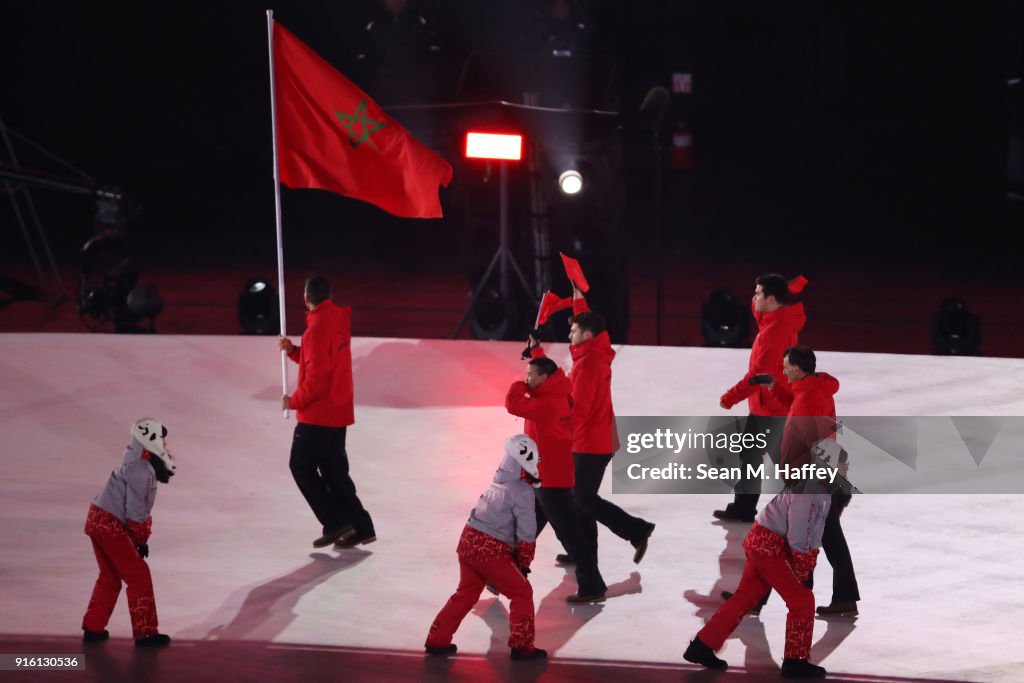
column 108, row 283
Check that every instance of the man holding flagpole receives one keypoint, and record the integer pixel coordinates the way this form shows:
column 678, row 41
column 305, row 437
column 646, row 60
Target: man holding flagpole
column 323, row 401
column 330, row 135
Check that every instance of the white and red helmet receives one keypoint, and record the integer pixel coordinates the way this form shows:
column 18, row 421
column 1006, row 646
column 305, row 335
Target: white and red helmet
column 523, row 450
column 151, row 434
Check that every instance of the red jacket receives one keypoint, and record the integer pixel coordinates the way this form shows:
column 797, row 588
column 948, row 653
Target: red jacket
column 812, row 416
column 547, row 410
column 593, row 422
column 776, row 332
column 323, row 395
column 593, row 425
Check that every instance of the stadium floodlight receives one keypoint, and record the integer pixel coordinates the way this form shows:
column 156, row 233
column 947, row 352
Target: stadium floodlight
column 955, row 329
column 257, row 308
column 570, row 182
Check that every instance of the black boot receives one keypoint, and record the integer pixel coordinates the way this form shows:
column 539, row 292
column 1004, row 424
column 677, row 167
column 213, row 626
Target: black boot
column 699, row 653
column 157, row 640
column 441, row 651
column 801, row 668
column 564, row 559
column 728, row 515
column 94, row 637
column 519, row 654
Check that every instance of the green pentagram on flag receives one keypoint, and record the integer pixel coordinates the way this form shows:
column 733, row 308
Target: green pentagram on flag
column 368, row 125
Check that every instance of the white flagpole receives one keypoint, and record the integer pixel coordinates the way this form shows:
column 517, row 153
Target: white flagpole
column 536, row 321
column 277, row 208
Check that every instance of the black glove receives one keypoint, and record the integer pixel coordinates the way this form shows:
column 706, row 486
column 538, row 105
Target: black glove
column 529, row 347
column 524, row 570
column 143, row 549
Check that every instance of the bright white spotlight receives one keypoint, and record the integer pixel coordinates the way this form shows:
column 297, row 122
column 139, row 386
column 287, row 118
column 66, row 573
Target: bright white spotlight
column 570, row 182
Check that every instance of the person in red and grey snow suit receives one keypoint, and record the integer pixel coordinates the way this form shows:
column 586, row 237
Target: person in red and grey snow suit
column 594, row 441
column 545, row 403
column 119, row 525
column 323, row 401
column 779, row 320
column 782, row 549
column 782, row 546
column 496, row 548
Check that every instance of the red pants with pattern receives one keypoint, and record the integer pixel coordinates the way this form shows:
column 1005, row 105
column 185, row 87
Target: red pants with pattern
column 484, row 559
column 766, row 568
column 119, row 562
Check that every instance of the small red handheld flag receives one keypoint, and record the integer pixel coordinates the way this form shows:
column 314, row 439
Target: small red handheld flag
column 575, row 273
column 551, row 304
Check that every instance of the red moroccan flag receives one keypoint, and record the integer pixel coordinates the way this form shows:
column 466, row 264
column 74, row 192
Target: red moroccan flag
column 332, row 136
column 575, row 273
column 551, row 304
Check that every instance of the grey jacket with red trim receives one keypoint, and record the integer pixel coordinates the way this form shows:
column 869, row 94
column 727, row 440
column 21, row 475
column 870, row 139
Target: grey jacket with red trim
column 506, row 509
column 131, row 489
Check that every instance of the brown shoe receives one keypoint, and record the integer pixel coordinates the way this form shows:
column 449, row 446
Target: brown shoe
column 842, row 609
column 354, row 541
column 577, row 599
column 332, row 536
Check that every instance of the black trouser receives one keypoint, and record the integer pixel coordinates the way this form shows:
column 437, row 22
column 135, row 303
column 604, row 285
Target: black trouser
column 833, row 542
column 748, row 490
column 593, row 508
column 319, row 464
column 556, row 505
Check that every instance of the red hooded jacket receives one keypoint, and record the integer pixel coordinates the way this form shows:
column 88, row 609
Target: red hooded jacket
column 812, row 416
column 776, row 331
column 547, row 411
column 324, row 394
column 593, row 416
column 593, row 421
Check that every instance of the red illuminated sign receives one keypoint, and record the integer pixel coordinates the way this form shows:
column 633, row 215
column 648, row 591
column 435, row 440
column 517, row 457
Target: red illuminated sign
column 500, row 146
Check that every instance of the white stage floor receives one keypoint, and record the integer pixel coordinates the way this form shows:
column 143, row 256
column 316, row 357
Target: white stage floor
column 940, row 575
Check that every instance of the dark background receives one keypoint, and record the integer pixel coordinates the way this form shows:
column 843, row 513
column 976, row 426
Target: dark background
column 873, row 135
